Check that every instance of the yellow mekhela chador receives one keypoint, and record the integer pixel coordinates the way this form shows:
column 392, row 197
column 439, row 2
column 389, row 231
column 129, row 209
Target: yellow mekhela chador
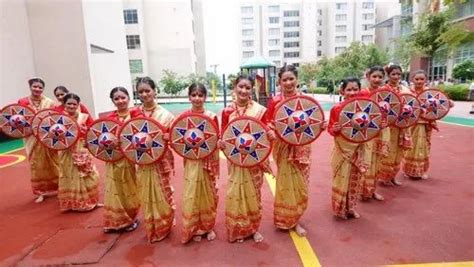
column 243, row 207
column 293, row 163
column 121, row 202
column 79, row 179
column 154, row 189
column 44, row 163
column 199, row 206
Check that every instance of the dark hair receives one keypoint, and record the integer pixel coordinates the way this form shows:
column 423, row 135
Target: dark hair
column 243, row 76
column 73, row 96
column 197, row 87
column 346, row 81
column 391, row 67
column 36, row 80
column 62, row 88
column 374, row 69
column 420, row 72
column 146, row 80
column 286, row 68
column 116, row 89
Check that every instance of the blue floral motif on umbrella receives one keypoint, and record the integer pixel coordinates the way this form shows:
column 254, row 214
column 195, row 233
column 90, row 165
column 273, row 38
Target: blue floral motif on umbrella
column 58, row 131
column 360, row 120
column 102, row 140
column 434, row 103
column 16, row 121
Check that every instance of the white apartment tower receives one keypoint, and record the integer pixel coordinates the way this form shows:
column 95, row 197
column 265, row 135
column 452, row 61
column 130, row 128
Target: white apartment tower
column 303, row 31
column 164, row 35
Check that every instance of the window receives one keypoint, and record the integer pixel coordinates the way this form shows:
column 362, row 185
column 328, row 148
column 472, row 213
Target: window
column 247, row 32
column 367, row 27
column 296, row 64
column 320, row 43
column 277, row 63
column 339, row 49
column 291, row 54
column 291, row 24
column 341, row 28
column 291, row 13
column 130, row 16
column 247, row 43
column 464, row 9
column 367, row 38
column 320, row 12
column 246, row 9
column 341, row 17
column 291, row 34
column 273, row 31
column 273, row 20
column 291, row 44
column 136, row 65
column 133, row 41
column 247, row 54
column 368, row 16
column 367, row 5
column 341, row 39
column 273, row 42
column 274, row 53
column 319, row 53
column 247, row 21
column 320, row 22
column 320, row 33
column 273, row 8
column 341, row 6
column 464, row 52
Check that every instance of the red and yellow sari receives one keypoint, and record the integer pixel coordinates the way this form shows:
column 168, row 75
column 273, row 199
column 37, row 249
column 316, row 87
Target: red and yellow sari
column 155, row 192
column 399, row 141
column 121, row 202
column 44, row 163
column 243, row 207
column 346, row 161
column 200, row 193
column 79, row 179
column 293, row 163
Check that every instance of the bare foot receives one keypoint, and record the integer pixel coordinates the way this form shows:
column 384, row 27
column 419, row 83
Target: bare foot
column 387, row 183
column 395, row 182
column 424, row 176
column 211, row 235
column 39, row 199
column 300, row 230
column 239, row 241
column 133, row 226
column 99, row 205
column 197, row 238
column 257, row 237
column 377, row 196
column 354, row 214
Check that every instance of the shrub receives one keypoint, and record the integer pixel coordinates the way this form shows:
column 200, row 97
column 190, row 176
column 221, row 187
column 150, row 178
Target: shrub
column 457, row 91
column 318, row 90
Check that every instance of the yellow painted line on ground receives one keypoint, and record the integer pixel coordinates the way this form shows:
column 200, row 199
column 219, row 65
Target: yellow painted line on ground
column 306, row 252
column 19, row 158
column 437, row 264
column 11, row 151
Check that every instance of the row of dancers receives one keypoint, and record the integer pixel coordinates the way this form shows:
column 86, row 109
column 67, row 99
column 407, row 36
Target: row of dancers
column 72, row 176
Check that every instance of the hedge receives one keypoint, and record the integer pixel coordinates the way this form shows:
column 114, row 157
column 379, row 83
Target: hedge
column 318, row 90
column 456, row 91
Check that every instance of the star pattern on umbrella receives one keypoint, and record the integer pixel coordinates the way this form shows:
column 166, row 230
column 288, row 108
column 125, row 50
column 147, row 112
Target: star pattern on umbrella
column 299, row 119
column 189, row 144
column 431, row 106
column 244, row 139
column 101, row 141
column 406, row 115
column 55, row 133
column 365, row 121
column 138, row 144
column 388, row 99
column 15, row 123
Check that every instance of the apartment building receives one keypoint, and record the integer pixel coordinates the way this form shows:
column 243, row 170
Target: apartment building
column 164, row 35
column 303, row 31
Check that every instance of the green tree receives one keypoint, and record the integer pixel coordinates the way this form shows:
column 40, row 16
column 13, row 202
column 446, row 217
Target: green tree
column 464, row 70
column 172, row 83
column 307, row 73
column 402, row 53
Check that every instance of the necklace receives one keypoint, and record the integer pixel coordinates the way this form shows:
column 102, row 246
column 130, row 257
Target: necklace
column 150, row 108
column 123, row 115
column 243, row 108
column 35, row 102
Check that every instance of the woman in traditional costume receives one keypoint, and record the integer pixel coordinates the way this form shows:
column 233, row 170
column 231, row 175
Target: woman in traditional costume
column 44, row 163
